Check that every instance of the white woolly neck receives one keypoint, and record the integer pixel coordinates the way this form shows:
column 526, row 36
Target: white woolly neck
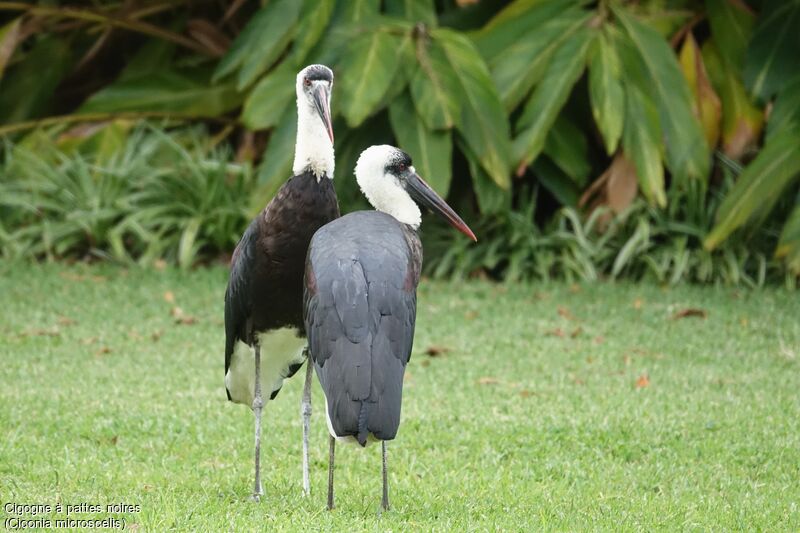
column 313, row 149
column 382, row 189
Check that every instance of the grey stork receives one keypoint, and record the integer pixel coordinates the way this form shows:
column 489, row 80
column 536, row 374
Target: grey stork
column 263, row 300
column 361, row 278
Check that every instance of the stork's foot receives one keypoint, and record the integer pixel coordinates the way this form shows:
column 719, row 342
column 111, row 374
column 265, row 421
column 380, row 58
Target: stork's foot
column 256, row 497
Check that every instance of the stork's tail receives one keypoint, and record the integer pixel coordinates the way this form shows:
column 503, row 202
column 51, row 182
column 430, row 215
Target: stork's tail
column 362, row 424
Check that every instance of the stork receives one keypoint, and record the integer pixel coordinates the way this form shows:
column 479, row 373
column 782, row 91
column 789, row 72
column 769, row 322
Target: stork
column 263, row 300
column 361, row 279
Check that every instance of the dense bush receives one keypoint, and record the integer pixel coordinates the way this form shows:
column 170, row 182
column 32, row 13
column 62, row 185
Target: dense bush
column 559, row 112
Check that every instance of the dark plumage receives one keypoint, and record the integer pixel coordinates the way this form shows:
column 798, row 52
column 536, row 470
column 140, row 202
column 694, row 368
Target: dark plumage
column 266, row 280
column 360, row 306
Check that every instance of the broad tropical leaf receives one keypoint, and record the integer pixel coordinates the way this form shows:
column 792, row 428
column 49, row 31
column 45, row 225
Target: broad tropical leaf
column 772, row 56
column 523, row 63
column 515, row 22
column 553, row 178
column 28, row 87
column 550, row 96
column 491, row 198
column 742, row 121
column 276, row 165
column 785, row 113
column 731, row 26
column 261, row 42
column 9, row 37
column 314, row 18
column 431, row 151
column 482, row 122
column 687, row 154
column 434, row 86
column 605, row 91
column 641, row 143
column 365, row 73
column 566, row 145
column 706, row 104
column 267, row 102
column 413, row 10
column 789, row 242
column 168, row 92
column 758, row 186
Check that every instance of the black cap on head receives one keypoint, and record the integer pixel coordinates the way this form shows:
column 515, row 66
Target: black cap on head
column 318, row 72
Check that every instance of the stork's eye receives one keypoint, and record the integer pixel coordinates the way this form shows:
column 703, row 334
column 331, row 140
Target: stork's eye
column 307, row 82
column 402, row 167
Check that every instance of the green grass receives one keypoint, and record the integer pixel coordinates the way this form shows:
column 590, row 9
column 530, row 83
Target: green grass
column 531, row 421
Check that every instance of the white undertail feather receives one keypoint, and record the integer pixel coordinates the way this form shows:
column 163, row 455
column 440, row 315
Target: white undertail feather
column 382, row 189
column 280, row 348
column 313, row 148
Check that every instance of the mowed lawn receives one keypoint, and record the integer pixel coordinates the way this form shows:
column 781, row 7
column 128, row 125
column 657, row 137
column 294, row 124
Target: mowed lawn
column 526, row 407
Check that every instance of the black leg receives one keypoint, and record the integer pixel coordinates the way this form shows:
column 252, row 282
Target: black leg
column 330, row 473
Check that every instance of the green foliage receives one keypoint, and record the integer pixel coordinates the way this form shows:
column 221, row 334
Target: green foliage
column 153, row 198
column 549, row 91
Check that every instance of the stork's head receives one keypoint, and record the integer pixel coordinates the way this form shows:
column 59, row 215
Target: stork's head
column 314, row 148
column 314, row 85
column 388, row 179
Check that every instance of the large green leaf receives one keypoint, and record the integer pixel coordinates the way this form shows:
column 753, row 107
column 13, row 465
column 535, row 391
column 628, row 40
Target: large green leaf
column 566, row 145
column 560, row 185
column 789, row 242
column 413, row 10
column 365, row 73
column 731, row 26
column 641, row 142
column 687, row 154
column 28, row 86
column 758, row 186
column 431, row 151
column 267, row 102
column 261, row 42
column 276, row 165
column 605, row 91
column 517, row 21
column 772, row 57
column 482, row 122
column 785, row 113
column 491, row 198
column 434, row 86
column 742, row 121
column 9, row 37
column 314, row 18
column 523, row 63
column 550, row 96
column 179, row 93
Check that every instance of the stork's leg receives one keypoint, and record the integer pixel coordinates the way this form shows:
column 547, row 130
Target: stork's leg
column 258, row 404
column 330, row 473
column 385, row 500
column 305, row 412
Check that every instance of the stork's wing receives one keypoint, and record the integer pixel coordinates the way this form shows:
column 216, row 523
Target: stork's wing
column 359, row 315
column 239, row 294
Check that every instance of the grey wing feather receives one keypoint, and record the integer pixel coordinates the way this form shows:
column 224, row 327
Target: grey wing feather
column 359, row 316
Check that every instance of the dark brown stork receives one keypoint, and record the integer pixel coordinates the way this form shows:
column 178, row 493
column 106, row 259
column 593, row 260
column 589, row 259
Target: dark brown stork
column 360, row 301
column 263, row 301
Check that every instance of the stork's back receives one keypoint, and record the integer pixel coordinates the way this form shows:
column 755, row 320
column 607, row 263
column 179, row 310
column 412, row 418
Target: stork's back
column 362, row 272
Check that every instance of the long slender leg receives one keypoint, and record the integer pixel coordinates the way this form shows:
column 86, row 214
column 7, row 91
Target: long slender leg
column 258, row 404
column 305, row 412
column 330, row 473
column 385, row 501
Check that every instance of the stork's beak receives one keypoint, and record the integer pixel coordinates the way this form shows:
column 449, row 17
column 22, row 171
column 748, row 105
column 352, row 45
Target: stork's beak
column 422, row 193
column 322, row 101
